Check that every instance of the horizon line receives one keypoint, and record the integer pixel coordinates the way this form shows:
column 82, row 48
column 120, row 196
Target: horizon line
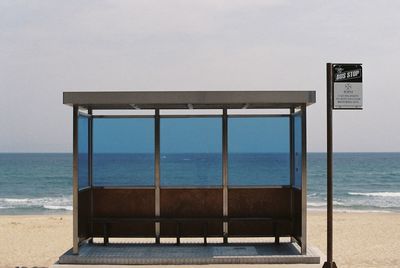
column 44, row 152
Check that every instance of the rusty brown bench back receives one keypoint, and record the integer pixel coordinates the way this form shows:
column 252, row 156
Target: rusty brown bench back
column 274, row 203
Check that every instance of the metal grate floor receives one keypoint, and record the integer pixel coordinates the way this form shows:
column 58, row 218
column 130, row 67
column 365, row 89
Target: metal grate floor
column 129, row 253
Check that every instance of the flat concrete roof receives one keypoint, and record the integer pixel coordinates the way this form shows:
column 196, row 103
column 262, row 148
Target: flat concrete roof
column 238, row 99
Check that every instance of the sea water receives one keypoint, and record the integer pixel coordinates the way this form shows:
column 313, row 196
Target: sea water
column 42, row 183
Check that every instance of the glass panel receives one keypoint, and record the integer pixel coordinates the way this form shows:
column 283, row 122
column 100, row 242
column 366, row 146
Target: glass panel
column 123, row 151
column 83, row 156
column 191, row 151
column 259, row 151
column 297, row 150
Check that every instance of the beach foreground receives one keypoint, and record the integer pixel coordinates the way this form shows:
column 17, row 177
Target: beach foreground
column 361, row 239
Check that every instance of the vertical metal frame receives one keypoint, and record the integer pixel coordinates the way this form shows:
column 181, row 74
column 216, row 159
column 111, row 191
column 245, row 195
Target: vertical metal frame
column 225, row 170
column 291, row 142
column 75, row 238
column 329, row 167
column 304, row 180
column 90, row 148
column 157, row 171
column 292, row 147
column 90, row 167
column 292, row 161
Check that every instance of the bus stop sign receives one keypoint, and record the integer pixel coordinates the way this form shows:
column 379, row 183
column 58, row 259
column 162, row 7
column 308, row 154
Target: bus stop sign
column 347, row 86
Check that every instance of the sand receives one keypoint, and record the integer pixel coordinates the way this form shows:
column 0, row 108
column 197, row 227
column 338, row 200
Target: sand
column 361, row 239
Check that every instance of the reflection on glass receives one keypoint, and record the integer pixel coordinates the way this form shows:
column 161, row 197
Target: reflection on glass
column 259, row 151
column 83, row 156
column 191, row 151
column 297, row 151
column 123, row 152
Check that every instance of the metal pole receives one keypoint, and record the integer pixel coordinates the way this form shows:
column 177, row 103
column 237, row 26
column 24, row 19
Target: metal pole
column 90, row 168
column 90, row 146
column 303, row 179
column 291, row 123
column 75, row 238
column 329, row 173
column 225, row 170
column 157, row 171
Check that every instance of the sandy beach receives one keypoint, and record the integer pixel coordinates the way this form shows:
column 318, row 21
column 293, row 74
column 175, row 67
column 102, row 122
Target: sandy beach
column 361, row 239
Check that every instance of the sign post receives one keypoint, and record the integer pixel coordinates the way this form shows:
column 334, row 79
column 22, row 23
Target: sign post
column 344, row 92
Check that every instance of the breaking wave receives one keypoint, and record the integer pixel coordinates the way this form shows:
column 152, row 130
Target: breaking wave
column 50, row 203
column 377, row 194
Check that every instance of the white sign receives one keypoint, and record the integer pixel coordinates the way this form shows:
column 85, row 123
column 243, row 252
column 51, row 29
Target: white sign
column 347, row 86
column 347, row 96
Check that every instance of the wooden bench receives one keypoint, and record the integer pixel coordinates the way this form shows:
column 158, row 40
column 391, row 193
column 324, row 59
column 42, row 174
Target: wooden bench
column 179, row 221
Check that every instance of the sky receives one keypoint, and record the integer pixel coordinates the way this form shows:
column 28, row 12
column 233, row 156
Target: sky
column 47, row 47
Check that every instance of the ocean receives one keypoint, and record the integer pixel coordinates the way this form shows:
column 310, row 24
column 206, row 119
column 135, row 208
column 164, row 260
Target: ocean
column 41, row 183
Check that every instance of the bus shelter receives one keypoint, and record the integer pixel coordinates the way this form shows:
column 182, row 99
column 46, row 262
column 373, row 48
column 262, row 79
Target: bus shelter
column 178, row 164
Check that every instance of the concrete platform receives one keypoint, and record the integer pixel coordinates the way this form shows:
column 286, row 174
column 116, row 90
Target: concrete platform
column 169, row 254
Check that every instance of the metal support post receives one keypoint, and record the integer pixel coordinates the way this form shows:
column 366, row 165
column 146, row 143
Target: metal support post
column 292, row 159
column 75, row 238
column 157, row 171
column 329, row 176
column 225, row 171
column 304, row 180
column 90, row 169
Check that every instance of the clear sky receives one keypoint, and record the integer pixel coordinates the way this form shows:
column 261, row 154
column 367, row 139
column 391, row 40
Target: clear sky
column 47, row 47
